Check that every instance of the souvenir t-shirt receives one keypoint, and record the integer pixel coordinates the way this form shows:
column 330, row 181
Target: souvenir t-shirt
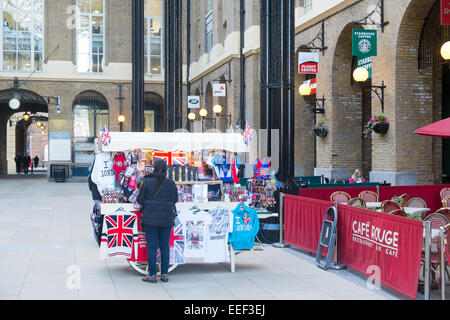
column 217, row 244
column 195, row 231
column 103, row 174
column 120, row 164
column 245, row 227
column 119, row 231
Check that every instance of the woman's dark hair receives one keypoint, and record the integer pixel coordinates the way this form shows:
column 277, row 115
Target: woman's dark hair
column 160, row 170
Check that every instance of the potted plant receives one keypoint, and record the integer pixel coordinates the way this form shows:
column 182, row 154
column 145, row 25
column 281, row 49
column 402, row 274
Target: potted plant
column 321, row 129
column 378, row 124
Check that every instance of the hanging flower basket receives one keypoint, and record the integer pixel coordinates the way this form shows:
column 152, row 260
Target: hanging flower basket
column 380, row 128
column 377, row 124
column 321, row 130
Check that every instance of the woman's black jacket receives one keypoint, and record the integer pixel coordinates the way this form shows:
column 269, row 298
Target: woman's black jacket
column 161, row 213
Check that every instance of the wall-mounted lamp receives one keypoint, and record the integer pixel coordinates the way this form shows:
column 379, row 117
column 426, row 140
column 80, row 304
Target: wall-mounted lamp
column 305, row 89
column 217, row 109
column 26, row 116
column 191, row 116
column 203, row 112
column 445, row 50
column 121, row 119
column 361, row 75
column 58, row 105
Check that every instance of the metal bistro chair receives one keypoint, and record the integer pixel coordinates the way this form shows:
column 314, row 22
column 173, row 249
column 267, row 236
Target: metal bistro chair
column 398, row 212
column 416, row 202
column 388, row 206
column 405, row 198
column 446, row 201
column 444, row 192
column 437, row 221
column 368, row 196
column 444, row 211
column 443, row 245
column 357, row 202
column 340, row 197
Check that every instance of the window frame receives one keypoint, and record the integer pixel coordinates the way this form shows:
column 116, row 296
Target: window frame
column 308, row 4
column 209, row 41
column 147, row 55
column 17, row 36
column 96, row 112
column 77, row 28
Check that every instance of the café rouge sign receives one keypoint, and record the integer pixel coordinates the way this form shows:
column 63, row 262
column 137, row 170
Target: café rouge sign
column 375, row 237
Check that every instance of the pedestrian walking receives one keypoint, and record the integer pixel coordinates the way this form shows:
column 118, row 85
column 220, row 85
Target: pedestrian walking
column 26, row 163
column 158, row 196
column 36, row 161
column 18, row 161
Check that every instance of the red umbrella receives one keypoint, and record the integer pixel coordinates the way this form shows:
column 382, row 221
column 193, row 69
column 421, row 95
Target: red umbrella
column 437, row 129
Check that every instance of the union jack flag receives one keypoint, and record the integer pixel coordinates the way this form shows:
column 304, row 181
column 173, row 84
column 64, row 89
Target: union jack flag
column 261, row 170
column 172, row 158
column 176, row 244
column 119, row 232
column 166, row 156
column 248, row 135
column 179, row 159
column 104, row 136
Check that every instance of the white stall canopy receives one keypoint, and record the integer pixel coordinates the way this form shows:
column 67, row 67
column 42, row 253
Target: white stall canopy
column 172, row 141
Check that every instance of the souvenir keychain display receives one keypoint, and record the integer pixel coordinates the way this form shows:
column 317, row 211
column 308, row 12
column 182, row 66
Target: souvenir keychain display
column 262, row 194
column 237, row 193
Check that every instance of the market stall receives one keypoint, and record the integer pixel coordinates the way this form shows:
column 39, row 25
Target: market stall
column 216, row 214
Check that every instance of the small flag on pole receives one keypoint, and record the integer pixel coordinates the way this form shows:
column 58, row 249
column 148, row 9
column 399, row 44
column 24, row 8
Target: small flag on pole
column 105, row 137
column 248, row 135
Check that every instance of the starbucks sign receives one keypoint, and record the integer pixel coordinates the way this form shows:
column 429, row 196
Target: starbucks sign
column 364, row 43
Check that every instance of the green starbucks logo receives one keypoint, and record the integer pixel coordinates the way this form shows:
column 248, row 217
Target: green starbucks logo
column 364, row 46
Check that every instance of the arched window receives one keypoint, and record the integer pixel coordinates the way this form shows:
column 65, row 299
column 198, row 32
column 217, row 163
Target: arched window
column 90, row 114
column 22, row 34
column 152, row 108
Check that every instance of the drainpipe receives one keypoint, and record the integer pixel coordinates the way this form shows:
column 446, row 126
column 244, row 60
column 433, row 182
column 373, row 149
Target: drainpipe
column 242, row 62
column 188, row 51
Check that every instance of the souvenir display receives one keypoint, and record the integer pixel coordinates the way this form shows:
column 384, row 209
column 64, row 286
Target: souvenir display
column 262, row 193
column 235, row 193
column 221, row 215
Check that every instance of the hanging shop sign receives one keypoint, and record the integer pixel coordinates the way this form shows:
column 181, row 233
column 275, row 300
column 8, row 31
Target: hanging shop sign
column 308, row 62
column 365, row 62
column 219, row 90
column 193, row 102
column 445, row 12
column 313, row 84
column 364, row 43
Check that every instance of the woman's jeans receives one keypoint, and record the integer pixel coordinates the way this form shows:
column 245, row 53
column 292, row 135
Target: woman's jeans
column 157, row 236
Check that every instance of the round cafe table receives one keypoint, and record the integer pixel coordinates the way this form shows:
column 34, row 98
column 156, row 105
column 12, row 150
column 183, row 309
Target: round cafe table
column 373, row 204
column 415, row 211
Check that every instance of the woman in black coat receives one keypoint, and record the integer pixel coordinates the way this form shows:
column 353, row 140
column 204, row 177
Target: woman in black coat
column 158, row 196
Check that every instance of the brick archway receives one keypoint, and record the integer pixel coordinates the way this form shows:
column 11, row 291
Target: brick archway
column 417, row 100
column 29, row 102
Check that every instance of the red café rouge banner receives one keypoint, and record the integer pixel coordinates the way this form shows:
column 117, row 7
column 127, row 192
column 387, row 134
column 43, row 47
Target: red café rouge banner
column 383, row 247
column 445, row 12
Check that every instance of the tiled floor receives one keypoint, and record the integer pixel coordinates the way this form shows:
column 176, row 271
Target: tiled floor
column 47, row 251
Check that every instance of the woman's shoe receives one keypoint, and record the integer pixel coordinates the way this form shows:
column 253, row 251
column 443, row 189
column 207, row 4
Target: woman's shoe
column 152, row 279
column 165, row 278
